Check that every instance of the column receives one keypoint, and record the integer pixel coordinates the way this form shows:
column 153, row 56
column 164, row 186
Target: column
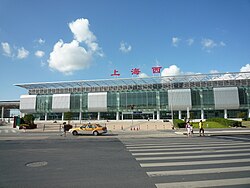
column 179, row 114
column 2, row 113
column 117, row 115
column 202, row 114
column 158, row 115
column 248, row 113
column 46, row 116
column 188, row 113
column 62, row 116
column 80, row 117
column 225, row 113
column 98, row 115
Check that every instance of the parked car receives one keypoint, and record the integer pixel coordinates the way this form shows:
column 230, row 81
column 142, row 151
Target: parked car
column 94, row 129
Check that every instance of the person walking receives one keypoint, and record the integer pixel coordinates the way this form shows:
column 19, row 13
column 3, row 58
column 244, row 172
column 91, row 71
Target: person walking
column 201, row 129
column 188, row 127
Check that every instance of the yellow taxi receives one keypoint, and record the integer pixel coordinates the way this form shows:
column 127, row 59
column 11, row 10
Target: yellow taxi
column 94, row 129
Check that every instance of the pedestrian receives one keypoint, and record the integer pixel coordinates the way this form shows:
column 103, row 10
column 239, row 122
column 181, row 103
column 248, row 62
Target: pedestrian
column 64, row 129
column 201, row 129
column 188, row 127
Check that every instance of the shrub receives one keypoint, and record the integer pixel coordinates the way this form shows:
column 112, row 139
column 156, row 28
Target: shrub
column 226, row 122
column 179, row 123
column 28, row 126
column 29, row 119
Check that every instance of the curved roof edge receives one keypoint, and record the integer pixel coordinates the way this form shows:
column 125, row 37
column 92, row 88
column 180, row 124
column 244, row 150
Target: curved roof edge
column 137, row 80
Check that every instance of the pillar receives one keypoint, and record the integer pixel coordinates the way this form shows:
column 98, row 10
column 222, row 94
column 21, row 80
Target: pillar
column 202, row 114
column 80, row 116
column 179, row 114
column 46, row 117
column 225, row 113
column 98, row 115
column 62, row 116
column 117, row 115
column 158, row 115
column 2, row 114
column 188, row 113
column 248, row 113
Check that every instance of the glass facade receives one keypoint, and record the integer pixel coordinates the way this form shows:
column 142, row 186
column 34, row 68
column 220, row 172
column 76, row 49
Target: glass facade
column 143, row 104
column 140, row 100
column 44, row 103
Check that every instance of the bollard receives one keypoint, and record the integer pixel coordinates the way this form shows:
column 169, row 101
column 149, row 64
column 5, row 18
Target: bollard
column 147, row 127
column 121, row 127
column 114, row 127
column 131, row 128
column 43, row 127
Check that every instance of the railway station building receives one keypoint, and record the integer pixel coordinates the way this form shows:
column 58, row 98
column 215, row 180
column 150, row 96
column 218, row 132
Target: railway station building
column 198, row 96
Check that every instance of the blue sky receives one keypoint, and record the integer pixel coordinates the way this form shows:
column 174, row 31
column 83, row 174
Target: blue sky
column 49, row 40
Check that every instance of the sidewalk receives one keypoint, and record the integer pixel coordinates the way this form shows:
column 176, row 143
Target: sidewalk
column 216, row 132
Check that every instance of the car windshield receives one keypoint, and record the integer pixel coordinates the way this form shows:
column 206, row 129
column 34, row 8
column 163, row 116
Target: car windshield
column 83, row 126
column 98, row 125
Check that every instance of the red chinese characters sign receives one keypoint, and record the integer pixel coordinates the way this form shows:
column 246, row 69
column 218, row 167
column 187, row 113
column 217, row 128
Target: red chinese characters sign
column 135, row 71
column 115, row 73
column 156, row 70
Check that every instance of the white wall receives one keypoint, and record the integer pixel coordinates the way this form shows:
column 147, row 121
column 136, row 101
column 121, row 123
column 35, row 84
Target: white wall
column 28, row 103
column 61, row 103
column 180, row 99
column 97, row 102
column 226, row 98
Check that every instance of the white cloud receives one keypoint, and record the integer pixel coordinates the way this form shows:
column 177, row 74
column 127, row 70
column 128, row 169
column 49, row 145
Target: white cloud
column 6, row 49
column 125, row 48
column 173, row 70
column 80, row 29
column 175, row 41
column 245, row 68
column 69, row 57
column 39, row 53
column 222, row 44
column 22, row 53
column 213, row 71
column 41, row 41
column 209, row 44
column 190, row 41
column 143, row 75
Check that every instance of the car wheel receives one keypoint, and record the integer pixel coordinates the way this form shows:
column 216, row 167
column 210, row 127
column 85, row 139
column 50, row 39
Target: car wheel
column 75, row 133
column 95, row 133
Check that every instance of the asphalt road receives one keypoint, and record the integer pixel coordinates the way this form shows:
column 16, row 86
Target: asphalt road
column 69, row 162
column 51, row 160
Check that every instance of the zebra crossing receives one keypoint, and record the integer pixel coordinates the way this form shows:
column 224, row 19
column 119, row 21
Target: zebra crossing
column 9, row 131
column 193, row 162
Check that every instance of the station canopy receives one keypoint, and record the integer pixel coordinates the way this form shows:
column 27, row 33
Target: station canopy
column 137, row 81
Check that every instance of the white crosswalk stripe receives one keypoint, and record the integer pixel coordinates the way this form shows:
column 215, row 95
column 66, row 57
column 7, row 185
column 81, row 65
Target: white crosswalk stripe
column 8, row 131
column 177, row 164
column 198, row 171
column 207, row 183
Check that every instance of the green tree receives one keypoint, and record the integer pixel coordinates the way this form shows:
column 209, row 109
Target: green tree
column 68, row 116
column 242, row 115
column 29, row 119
